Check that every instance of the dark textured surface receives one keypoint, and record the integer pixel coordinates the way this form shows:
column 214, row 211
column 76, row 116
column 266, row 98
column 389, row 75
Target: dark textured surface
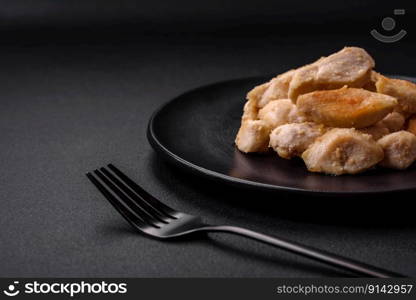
column 68, row 108
column 196, row 16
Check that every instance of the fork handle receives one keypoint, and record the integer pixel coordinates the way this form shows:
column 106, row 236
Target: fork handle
column 320, row 255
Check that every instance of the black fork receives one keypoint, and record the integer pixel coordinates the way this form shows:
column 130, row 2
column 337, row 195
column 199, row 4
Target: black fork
column 150, row 216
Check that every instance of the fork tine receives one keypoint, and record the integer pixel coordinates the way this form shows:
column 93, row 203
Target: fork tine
column 152, row 201
column 138, row 200
column 126, row 214
column 124, row 199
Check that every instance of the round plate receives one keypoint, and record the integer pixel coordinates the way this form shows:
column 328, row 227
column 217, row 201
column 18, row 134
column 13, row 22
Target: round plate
column 197, row 130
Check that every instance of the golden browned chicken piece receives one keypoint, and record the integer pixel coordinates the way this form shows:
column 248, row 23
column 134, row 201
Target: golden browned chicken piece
column 371, row 85
column 342, row 151
column 399, row 149
column 411, row 125
column 351, row 66
column 250, row 111
column 257, row 92
column 345, row 107
column 393, row 121
column 279, row 112
column 277, row 88
column 377, row 131
column 253, row 136
column 403, row 90
column 291, row 140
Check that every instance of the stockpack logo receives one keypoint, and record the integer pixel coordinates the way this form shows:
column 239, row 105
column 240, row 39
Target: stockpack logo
column 12, row 290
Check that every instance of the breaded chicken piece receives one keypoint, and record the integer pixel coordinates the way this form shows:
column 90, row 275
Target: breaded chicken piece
column 351, row 66
column 342, row 151
column 411, row 125
column 279, row 112
column 403, row 90
column 399, row 149
column 277, row 89
column 253, row 136
column 291, row 140
column 345, row 107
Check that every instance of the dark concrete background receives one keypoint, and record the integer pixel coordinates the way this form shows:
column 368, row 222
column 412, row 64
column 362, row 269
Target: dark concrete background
column 72, row 100
column 242, row 16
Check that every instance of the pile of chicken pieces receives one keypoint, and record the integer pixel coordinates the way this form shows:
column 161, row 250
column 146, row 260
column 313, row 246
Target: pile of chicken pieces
column 337, row 114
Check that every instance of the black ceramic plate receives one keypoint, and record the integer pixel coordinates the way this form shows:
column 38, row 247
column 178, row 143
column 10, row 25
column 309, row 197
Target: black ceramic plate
column 197, row 129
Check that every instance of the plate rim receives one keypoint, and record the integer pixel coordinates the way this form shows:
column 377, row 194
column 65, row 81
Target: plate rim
column 159, row 148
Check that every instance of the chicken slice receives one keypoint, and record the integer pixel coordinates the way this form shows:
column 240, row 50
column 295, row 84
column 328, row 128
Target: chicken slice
column 342, row 151
column 257, row 92
column 371, row 85
column 253, row 136
column 345, row 107
column 393, row 121
column 399, row 149
column 291, row 140
column 279, row 112
column 405, row 114
column 411, row 125
column 403, row 90
column 277, row 89
column 250, row 111
column 377, row 131
column 351, row 66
